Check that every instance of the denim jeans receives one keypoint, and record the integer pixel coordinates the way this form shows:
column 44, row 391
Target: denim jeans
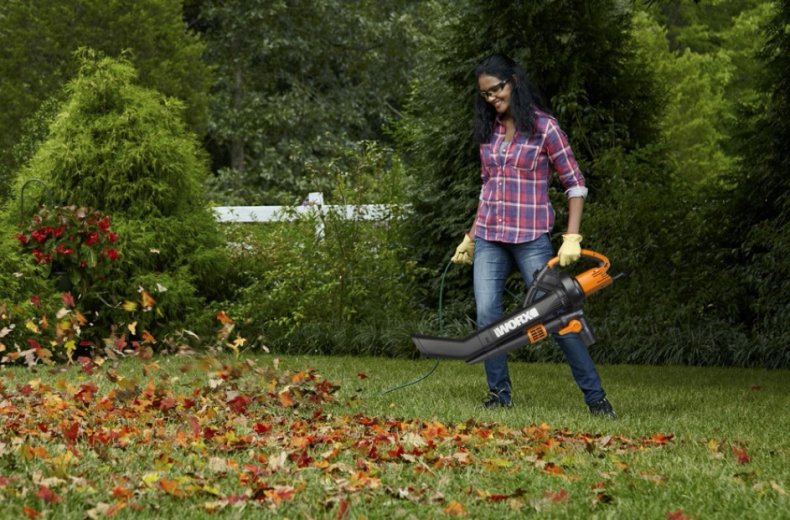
column 493, row 263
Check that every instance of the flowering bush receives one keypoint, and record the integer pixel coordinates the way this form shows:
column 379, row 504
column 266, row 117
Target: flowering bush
column 74, row 241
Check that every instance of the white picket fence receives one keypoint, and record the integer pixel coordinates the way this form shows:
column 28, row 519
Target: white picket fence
column 313, row 204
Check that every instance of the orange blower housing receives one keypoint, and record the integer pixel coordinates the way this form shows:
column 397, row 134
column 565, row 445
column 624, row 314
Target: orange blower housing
column 553, row 305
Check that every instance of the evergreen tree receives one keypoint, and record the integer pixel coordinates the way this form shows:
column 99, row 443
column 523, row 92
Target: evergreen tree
column 39, row 38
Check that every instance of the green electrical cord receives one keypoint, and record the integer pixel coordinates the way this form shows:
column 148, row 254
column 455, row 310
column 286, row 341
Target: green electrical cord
column 441, row 331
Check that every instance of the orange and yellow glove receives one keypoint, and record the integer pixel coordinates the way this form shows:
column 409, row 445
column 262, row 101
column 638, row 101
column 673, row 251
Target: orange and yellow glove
column 571, row 249
column 465, row 252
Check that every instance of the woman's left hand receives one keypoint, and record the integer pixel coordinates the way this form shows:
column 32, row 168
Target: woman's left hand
column 571, row 249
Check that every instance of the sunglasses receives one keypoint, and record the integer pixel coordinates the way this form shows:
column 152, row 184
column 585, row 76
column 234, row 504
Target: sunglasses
column 496, row 89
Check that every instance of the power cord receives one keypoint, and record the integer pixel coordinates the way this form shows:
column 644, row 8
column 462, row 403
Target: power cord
column 440, row 313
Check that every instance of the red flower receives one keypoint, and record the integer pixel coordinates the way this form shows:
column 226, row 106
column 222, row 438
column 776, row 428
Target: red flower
column 104, row 223
column 40, row 234
column 64, row 249
column 112, row 236
column 112, row 254
column 22, row 238
column 41, row 257
column 92, row 239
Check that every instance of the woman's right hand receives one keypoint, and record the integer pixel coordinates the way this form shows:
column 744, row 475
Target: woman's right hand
column 465, row 252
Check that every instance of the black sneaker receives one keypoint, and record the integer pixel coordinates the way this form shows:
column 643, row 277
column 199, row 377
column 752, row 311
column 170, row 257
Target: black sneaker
column 603, row 408
column 495, row 400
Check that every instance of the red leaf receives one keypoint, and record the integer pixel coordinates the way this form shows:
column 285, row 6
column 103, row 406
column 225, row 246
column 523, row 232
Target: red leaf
column 47, row 495
column 71, row 431
column 362, row 376
column 168, row 403
column 304, row 459
column 741, row 455
column 677, row 515
column 87, row 363
column 342, row 509
column 68, row 299
column 239, row 404
column 261, row 428
column 558, row 496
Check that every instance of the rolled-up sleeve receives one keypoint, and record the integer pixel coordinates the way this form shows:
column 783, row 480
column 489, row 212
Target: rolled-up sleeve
column 563, row 160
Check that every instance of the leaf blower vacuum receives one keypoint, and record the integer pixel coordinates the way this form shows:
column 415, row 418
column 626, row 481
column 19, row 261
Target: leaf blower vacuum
column 553, row 304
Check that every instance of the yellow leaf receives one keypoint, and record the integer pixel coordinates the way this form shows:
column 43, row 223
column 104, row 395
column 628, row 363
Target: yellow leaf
column 129, row 305
column 31, row 326
column 70, row 346
column 132, row 327
column 151, row 478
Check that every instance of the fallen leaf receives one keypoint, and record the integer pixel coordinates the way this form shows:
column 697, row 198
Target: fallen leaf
column 455, row 508
column 741, row 455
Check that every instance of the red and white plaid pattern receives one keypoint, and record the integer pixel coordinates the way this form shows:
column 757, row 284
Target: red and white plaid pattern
column 514, row 201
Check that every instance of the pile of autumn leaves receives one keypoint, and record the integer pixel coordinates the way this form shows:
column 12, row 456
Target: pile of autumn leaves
column 220, row 436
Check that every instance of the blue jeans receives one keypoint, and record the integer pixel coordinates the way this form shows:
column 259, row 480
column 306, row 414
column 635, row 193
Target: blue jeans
column 493, row 264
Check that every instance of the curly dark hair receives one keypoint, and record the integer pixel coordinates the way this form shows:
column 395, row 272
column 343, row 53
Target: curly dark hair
column 524, row 99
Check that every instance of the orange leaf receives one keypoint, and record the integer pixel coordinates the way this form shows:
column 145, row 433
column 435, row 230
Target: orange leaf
column 660, row 438
column 146, row 299
column 224, row 318
column 455, row 508
column 285, row 398
column 170, row 487
column 122, row 492
column 30, row 512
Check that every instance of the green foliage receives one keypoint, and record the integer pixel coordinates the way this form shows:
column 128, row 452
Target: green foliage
column 760, row 203
column 298, row 82
column 124, row 150
column 39, row 39
column 348, row 291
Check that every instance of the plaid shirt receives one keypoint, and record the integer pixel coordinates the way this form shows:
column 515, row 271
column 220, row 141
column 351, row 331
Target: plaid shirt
column 514, row 202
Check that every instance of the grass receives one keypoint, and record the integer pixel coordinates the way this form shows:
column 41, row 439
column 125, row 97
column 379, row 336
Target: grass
column 689, row 443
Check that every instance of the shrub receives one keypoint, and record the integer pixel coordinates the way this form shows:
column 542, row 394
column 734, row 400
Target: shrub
column 123, row 150
column 348, row 291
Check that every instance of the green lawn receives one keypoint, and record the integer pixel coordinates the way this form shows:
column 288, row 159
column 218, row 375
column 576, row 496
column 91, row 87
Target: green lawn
column 250, row 437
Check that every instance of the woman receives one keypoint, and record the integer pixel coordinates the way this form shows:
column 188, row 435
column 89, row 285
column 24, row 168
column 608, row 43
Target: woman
column 520, row 147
